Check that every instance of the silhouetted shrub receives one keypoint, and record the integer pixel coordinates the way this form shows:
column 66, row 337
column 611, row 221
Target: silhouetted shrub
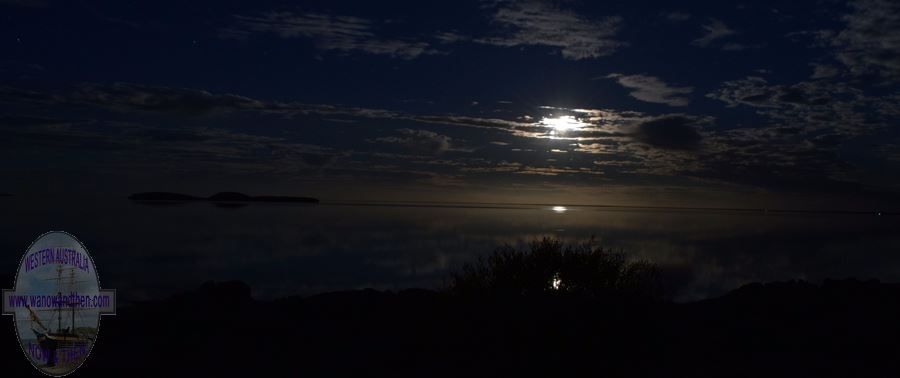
column 552, row 268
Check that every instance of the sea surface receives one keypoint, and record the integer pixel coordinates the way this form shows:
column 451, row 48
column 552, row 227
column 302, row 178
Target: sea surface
column 151, row 251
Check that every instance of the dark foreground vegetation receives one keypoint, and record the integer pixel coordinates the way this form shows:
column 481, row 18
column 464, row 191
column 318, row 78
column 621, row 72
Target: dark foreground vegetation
column 505, row 317
column 550, row 268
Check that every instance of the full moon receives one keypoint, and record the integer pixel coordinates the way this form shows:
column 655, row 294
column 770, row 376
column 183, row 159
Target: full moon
column 562, row 123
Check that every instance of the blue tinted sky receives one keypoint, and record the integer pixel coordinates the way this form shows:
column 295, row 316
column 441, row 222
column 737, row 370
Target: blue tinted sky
column 763, row 103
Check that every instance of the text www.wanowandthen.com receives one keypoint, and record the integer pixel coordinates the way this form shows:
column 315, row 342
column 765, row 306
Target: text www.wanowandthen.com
column 59, row 301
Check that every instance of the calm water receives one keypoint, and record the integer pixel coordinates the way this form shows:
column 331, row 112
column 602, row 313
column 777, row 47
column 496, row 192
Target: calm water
column 151, row 251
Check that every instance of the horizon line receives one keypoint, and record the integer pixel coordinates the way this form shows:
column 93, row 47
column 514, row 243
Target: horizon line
column 650, row 207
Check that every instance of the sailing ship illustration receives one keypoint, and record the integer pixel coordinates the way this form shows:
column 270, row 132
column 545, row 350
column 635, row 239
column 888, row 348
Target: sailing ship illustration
column 70, row 337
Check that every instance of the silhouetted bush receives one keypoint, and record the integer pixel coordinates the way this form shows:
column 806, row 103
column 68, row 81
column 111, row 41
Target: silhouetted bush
column 551, row 267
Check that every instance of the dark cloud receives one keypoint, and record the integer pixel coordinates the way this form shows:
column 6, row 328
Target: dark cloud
column 172, row 135
column 339, row 33
column 318, row 160
column 140, row 145
column 870, row 43
column 476, row 122
column 128, row 97
column 17, row 96
column 26, row 3
column 890, row 151
column 20, row 69
column 13, row 120
column 823, row 71
column 815, row 107
column 757, row 92
column 674, row 132
column 677, row 16
column 536, row 23
column 594, row 135
column 418, row 141
column 125, row 97
column 829, row 140
column 788, row 170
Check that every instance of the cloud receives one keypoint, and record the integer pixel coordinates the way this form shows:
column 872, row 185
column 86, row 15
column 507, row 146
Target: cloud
column 123, row 96
column 534, row 23
column 814, row 108
column 715, row 30
column 652, row 89
column 419, row 141
column 133, row 146
column 795, row 146
column 870, row 43
column 823, row 71
column 677, row 16
column 318, row 159
column 450, row 37
column 26, row 3
column 733, row 46
column 25, row 121
column 757, row 92
column 890, row 152
column 127, row 97
column 776, row 158
column 170, row 135
column 340, row 33
column 672, row 131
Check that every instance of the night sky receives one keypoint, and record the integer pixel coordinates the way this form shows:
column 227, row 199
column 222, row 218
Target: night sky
column 756, row 104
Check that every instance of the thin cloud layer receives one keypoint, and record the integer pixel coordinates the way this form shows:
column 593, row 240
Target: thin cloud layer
column 715, row 31
column 652, row 89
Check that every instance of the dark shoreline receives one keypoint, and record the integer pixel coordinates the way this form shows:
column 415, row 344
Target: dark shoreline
column 837, row 328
